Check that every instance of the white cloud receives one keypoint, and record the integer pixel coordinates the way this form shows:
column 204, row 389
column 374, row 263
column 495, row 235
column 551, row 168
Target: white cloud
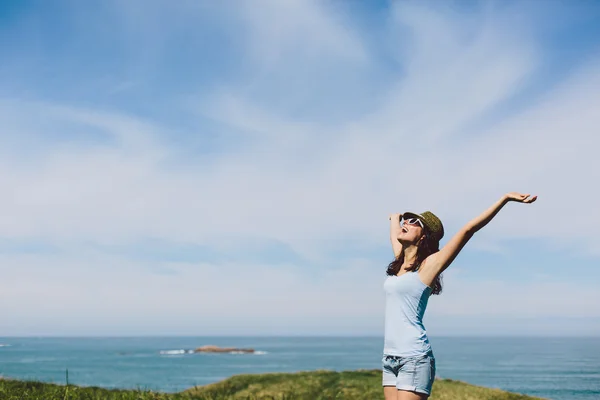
column 549, row 297
column 301, row 181
column 302, row 30
column 89, row 291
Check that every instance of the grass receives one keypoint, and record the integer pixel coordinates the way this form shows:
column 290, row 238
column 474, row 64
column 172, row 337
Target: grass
column 315, row 385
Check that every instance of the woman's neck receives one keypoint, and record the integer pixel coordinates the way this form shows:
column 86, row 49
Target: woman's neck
column 410, row 257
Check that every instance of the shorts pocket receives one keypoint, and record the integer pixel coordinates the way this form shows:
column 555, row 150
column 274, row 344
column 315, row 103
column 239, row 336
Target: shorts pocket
column 390, row 363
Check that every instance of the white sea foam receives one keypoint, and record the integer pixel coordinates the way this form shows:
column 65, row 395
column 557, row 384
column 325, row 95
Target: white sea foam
column 183, row 351
column 4, row 345
column 259, row 353
column 175, row 352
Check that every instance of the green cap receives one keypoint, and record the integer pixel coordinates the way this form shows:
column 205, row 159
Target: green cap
column 431, row 222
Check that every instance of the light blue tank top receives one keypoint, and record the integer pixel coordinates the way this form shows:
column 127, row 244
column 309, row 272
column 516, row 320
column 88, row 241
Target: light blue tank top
column 406, row 300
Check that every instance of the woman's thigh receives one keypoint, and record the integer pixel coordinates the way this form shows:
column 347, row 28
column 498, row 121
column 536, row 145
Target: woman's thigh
column 391, row 393
column 406, row 395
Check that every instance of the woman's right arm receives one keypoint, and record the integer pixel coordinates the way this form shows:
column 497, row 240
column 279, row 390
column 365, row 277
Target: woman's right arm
column 394, row 231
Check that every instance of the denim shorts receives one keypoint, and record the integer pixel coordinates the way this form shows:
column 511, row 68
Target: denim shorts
column 415, row 374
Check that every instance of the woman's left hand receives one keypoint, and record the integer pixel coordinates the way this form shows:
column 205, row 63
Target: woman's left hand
column 521, row 198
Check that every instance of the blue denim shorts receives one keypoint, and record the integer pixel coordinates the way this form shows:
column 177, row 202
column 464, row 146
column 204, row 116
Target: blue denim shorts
column 415, row 374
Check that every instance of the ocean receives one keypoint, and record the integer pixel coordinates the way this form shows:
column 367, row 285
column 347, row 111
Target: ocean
column 553, row 368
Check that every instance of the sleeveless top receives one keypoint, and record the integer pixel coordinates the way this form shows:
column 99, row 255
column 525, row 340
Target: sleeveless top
column 406, row 299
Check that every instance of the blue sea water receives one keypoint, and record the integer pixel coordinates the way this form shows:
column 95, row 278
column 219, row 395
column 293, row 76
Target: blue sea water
column 553, row 368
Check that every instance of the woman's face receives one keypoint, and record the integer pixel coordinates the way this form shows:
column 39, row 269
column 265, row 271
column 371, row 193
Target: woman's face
column 411, row 231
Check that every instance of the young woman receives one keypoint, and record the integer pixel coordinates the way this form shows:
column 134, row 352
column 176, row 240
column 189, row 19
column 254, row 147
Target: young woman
column 413, row 276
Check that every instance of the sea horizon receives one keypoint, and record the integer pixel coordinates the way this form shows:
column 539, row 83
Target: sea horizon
column 558, row 368
column 590, row 336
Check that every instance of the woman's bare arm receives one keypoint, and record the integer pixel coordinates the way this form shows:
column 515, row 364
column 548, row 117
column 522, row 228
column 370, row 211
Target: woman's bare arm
column 394, row 231
column 436, row 263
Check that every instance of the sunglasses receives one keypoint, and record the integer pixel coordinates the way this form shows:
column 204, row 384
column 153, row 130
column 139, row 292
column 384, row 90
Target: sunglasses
column 413, row 221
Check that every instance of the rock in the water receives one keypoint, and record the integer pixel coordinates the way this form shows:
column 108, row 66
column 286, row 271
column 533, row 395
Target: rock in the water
column 217, row 349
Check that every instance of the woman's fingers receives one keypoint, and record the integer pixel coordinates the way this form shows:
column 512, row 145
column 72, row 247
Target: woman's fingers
column 522, row 197
column 527, row 199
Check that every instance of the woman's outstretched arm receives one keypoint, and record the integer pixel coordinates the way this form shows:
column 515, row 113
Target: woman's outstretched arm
column 394, row 231
column 438, row 262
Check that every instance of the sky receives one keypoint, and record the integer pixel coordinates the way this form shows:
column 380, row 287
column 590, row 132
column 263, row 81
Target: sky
column 228, row 168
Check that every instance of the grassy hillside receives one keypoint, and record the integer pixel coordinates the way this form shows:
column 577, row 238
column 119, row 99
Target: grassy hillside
column 322, row 385
column 317, row 385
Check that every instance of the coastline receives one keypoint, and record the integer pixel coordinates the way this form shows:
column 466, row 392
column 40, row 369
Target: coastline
column 307, row 385
column 520, row 365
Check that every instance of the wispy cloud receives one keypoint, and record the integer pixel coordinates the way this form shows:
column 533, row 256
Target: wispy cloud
column 269, row 144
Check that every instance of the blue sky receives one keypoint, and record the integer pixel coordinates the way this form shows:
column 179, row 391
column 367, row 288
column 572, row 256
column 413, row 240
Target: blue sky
column 204, row 168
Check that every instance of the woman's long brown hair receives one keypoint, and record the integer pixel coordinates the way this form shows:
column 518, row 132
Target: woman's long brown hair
column 425, row 249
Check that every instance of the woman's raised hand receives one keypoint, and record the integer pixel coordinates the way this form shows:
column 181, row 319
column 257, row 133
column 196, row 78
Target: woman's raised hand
column 395, row 216
column 521, row 198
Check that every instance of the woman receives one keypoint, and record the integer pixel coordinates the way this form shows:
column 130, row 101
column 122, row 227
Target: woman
column 413, row 276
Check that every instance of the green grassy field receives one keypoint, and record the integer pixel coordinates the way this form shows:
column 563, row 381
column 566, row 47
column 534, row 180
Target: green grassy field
column 316, row 385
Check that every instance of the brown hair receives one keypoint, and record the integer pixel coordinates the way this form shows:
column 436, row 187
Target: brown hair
column 427, row 247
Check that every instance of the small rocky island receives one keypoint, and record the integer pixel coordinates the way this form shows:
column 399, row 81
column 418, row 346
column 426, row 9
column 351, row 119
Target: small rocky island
column 217, row 349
